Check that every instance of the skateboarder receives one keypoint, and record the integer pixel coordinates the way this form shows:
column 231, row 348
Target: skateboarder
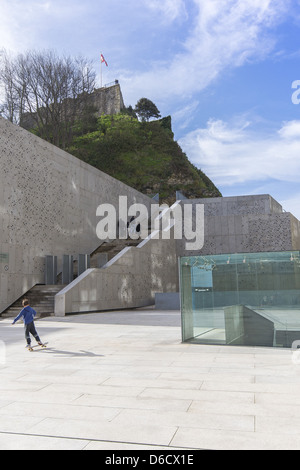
column 28, row 315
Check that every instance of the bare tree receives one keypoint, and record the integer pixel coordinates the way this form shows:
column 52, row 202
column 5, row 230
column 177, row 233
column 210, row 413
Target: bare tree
column 46, row 92
column 10, row 104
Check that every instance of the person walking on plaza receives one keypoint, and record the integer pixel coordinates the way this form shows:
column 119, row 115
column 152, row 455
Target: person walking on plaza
column 28, row 314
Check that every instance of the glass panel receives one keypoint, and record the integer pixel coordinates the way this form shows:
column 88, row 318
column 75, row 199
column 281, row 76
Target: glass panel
column 244, row 299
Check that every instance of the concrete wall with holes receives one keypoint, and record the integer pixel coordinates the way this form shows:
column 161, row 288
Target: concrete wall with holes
column 48, row 202
column 245, row 224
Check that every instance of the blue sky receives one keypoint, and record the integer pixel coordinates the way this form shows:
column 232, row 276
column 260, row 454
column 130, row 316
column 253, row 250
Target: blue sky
column 222, row 68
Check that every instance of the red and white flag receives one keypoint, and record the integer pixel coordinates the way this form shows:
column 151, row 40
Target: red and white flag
column 103, row 60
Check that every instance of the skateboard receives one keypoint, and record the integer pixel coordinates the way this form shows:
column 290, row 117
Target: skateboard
column 31, row 348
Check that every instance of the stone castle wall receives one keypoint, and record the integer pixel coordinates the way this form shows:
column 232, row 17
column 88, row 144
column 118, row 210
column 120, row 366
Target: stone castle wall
column 106, row 100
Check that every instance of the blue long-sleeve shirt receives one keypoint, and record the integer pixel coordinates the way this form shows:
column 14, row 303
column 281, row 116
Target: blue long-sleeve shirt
column 28, row 315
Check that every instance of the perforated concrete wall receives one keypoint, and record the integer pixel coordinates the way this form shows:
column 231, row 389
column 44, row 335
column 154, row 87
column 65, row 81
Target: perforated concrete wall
column 245, row 224
column 48, row 202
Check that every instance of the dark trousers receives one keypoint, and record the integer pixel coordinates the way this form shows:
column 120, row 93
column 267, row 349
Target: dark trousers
column 30, row 329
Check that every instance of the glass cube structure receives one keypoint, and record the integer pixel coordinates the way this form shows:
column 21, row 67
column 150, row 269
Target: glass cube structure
column 248, row 299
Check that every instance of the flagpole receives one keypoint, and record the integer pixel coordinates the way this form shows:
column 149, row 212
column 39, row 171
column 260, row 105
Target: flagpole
column 101, row 61
column 101, row 71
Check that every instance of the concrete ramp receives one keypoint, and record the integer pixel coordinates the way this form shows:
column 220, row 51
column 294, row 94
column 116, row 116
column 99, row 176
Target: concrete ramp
column 252, row 326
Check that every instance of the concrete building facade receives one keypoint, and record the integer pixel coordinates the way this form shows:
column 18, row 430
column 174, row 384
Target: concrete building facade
column 48, row 203
column 245, row 224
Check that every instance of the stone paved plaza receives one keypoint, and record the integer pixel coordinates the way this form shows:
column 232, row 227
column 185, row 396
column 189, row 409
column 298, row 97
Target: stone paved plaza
column 124, row 380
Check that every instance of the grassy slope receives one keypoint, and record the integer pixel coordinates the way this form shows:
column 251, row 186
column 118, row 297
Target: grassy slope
column 142, row 155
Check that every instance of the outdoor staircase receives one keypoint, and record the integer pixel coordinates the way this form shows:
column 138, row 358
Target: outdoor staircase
column 41, row 299
column 108, row 250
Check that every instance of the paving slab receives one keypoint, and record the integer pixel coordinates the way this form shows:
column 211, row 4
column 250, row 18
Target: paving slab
column 124, row 381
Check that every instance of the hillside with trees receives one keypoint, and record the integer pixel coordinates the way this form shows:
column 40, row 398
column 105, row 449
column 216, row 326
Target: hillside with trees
column 135, row 146
column 143, row 155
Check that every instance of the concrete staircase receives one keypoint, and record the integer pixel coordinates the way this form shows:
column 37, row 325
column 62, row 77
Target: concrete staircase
column 41, row 299
column 108, row 250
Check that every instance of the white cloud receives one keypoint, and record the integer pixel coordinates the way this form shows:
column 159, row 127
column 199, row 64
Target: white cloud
column 292, row 204
column 217, row 34
column 17, row 22
column 290, row 130
column 170, row 9
column 242, row 160
column 235, row 154
column 25, row 24
column 223, row 34
column 183, row 116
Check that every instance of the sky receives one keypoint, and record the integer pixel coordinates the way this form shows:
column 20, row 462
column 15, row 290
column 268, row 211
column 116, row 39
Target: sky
column 227, row 71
